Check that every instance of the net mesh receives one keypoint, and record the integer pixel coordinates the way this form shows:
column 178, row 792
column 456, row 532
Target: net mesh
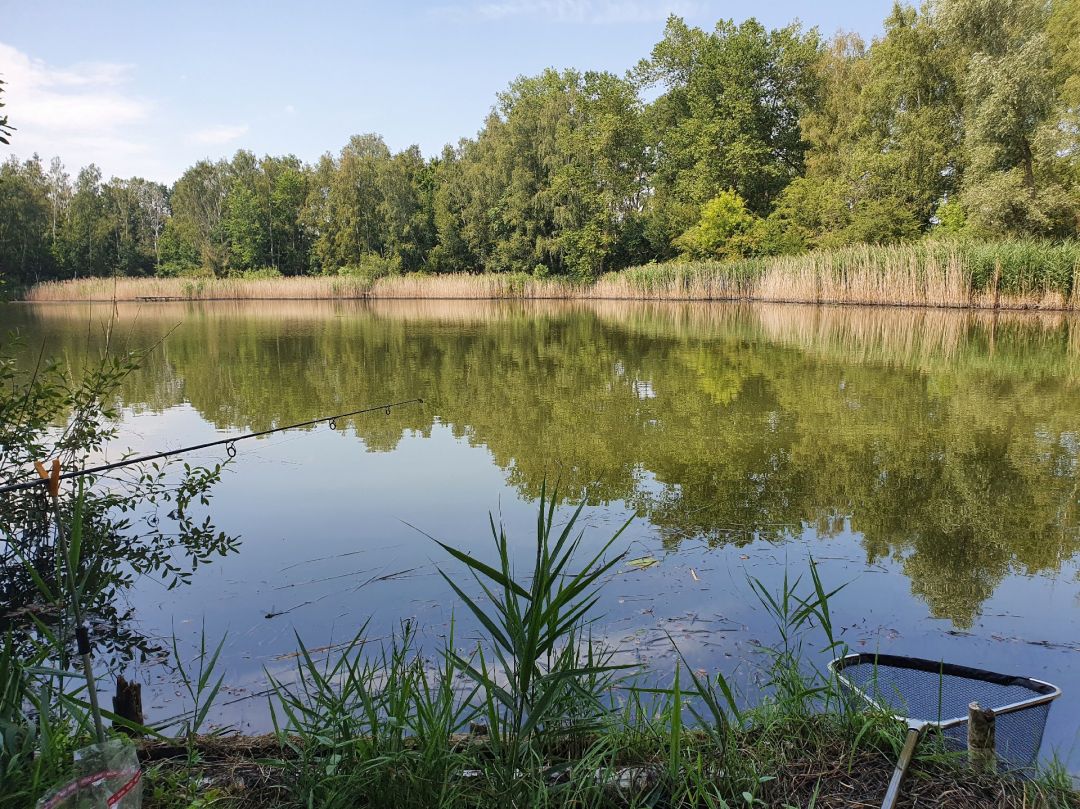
column 936, row 693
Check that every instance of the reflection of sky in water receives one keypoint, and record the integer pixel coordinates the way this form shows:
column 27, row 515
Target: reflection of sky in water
column 916, row 455
column 322, row 520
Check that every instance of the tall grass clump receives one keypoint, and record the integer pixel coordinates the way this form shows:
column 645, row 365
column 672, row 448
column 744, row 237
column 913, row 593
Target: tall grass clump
column 541, row 679
column 373, row 729
column 1023, row 267
column 37, row 736
column 378, row 729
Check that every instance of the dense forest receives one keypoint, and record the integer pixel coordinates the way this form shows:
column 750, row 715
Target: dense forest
column 962, row 118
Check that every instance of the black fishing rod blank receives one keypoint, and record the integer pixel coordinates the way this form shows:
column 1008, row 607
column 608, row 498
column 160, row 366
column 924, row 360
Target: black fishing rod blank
column 228, row 443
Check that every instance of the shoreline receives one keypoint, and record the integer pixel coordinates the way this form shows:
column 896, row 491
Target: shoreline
column 1003, row 305
column 1009, row 276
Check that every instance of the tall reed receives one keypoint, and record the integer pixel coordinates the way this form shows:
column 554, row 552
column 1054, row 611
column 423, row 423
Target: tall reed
column 1019, row 274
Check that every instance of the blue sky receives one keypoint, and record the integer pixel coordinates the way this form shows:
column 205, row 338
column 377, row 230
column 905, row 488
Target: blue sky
column 148, row 88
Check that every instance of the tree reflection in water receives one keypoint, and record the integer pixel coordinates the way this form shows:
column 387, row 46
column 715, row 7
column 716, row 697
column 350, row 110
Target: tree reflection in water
column 947, row 440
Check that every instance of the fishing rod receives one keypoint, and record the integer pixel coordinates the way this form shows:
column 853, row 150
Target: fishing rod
column 229, row 444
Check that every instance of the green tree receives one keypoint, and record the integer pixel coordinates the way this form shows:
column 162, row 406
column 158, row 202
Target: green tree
column 454, row 248
column 813, row 211
column 133, row 210
column 25, row 255
column 728, row 118
column 154, row 212
column 726, row 230
column 907, row 154
column 86, row 240
column 288, row 181
column 343, row 209
column 1010, row 91
column 195, row 233
column 472, row 181
column 600, row 186
column 556, row 180
column 884, row 135
column 830, row 123
column 406, row 185
column 246, row 216
column 1063, row 30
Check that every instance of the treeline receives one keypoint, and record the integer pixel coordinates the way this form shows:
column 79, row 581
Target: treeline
column 962, row 118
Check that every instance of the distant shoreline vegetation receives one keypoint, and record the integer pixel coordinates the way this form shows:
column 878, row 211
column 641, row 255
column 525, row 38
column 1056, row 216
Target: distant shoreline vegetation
column 735, row 143
column 1023, row 274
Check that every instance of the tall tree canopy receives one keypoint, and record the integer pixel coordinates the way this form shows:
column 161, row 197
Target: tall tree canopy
column 963, row 117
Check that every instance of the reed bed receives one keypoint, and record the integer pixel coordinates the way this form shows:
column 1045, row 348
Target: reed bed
column 1001, row 275
column 310, row 287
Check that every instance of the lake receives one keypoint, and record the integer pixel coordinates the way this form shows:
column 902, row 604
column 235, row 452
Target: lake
column 928, row 460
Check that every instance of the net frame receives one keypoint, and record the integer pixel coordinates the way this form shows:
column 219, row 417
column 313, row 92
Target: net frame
column 1043, row 692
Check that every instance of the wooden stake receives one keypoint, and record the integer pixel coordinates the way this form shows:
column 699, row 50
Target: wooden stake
column 127, row 704
column 981, row 741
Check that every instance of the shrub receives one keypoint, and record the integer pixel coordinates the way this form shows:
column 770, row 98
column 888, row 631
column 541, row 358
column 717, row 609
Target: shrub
column 726, row 230
column 372, row 267
column 259, row 273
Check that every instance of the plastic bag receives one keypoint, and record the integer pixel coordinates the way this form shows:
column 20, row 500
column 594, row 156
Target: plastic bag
column 107, row 776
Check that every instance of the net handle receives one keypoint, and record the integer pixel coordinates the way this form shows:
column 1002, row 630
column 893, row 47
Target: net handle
column 914, row 733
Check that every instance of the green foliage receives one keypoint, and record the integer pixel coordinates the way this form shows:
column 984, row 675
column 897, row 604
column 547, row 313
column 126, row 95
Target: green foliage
column 726, row 230
column 257, row 273
column 25, row 256
column 1063, row 32
column 371, row 267
column 1010, row 89
column 63, row 565
column 951, row 218
column 5, row 127
column 54, row 412
column 792, row 612
column 972, row 102
column 729, row 116
column 36, row 738
column 373, row 728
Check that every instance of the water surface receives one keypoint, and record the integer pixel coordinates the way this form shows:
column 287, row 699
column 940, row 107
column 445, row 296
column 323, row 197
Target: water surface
column 927, row 459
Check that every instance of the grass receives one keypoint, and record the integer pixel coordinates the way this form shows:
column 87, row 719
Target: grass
column 536, row 714
column 1020, row 274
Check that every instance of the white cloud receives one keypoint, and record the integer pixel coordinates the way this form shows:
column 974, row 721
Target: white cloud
column 290, row 109
column 578, row 11
column 82, row 112
column 219, row 133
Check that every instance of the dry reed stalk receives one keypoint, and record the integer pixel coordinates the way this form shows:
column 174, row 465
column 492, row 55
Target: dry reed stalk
column 922, row 274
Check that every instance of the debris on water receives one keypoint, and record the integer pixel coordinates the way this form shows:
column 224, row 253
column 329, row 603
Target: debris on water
column 643, row 562
column 275, row 614
column 694, row 575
